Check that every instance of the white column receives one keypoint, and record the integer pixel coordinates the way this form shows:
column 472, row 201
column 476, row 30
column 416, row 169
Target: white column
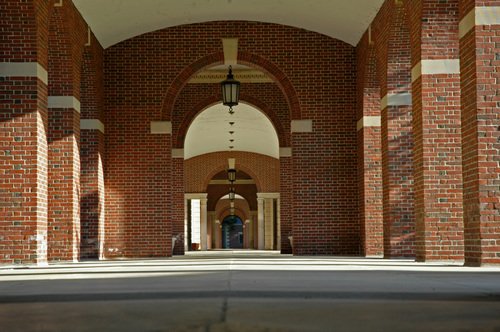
column 203, row 224
column 247, row 234
column 278, row 231
column 186, row 240
column 266, row 219
column 269, row 223
column 260, row 223
column 217, row 230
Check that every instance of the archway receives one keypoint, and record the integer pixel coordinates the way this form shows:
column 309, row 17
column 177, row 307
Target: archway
column 232, row 232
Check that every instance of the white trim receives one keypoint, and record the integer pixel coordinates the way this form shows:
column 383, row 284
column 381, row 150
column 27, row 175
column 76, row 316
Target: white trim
column 434, row 67
column 369, row 121
column 177, row 153
column 230, row 47
column 226, row 182
column 396, row 99
column 479, row 16
column 24, row 69
column 196, row 196
column 285, row 152
column 268, row 195
column 92, row 124
column 416, row 71
column 161, row 127
column 64, row 102
column 231, row 163
column 467, row 23
column 302, row 126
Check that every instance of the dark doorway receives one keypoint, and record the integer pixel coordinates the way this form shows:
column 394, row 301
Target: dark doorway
column 232, row 233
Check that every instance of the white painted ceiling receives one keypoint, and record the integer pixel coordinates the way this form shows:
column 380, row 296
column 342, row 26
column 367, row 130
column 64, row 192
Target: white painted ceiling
column 113, row 21
column 209, row 132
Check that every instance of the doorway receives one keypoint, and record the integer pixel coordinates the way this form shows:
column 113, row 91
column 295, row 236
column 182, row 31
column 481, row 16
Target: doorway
column 232, row 233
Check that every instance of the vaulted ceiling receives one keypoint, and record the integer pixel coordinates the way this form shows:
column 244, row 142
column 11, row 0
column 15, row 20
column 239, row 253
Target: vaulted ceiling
column 113, row 21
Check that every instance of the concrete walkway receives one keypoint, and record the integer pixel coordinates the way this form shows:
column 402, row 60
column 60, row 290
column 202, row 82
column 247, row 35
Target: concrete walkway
column 250, row 291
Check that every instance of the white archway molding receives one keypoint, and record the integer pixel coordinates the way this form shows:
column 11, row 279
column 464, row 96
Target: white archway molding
column 252, row 132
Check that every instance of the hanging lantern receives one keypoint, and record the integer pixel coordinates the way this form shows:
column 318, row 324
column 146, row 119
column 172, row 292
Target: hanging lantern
column 231, row 175
column 230, row 91
column 232, row 194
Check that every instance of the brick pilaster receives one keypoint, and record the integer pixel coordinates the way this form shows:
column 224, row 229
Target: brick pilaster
column 177, row 210
column 92, row 150
column 286, row 203
column 64, row 141
column 436, row 128
column 23, row 141
column 479, row 33
column 369, row 149
column 396, row 132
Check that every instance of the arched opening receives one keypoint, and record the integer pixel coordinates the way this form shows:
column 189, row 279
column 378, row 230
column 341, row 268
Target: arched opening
column 214, row 129
column 216, row 141
column 232, row 232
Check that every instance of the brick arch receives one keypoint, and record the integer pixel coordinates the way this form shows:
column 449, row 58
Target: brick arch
column 278, row 76
column 200, row 169
column 239, row 167
column 183, row 77
column 217, row 58
column 188, row 119
column 227, row 212
column 239, row 205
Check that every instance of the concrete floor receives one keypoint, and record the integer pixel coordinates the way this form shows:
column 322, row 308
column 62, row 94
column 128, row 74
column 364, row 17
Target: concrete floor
column 250, row 291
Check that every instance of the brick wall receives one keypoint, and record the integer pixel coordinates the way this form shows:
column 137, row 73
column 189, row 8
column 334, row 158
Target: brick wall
column 138, row 92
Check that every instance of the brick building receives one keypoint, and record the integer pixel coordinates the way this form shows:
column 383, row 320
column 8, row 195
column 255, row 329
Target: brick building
column 375, row 133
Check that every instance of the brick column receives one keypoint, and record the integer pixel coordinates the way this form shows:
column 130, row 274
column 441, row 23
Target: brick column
column 286, row 199
column 260, row 223
column 268, row 223
column 436, row 129
column 479, row 34
column 397, row 142
column 203, row 224
column 23, row 125
column 177, row 210
column 369, row 150
column 92, row 149
column 92, row 188
column 64, row 140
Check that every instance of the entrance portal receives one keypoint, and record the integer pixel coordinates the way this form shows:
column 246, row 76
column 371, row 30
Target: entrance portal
column 232, row 233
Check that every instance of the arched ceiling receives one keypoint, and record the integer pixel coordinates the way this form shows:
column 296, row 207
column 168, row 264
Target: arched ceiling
column 113, row 21
column 210, row 132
